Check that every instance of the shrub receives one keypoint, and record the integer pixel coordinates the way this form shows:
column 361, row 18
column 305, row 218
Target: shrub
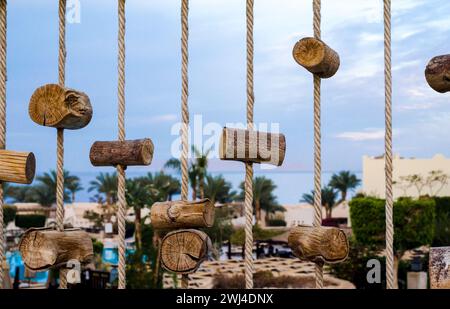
column 29, row 221
column 442, row 228
column 276, row 222
column 9, row 213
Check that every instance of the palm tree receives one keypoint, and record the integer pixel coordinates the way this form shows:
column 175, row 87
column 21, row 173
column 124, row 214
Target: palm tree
column 217, row 189
column 329, row 196
column 263, row 196
column 344, row 181
column 43, row 192
column 167, row 184
column 105, row 184
column 73, row 184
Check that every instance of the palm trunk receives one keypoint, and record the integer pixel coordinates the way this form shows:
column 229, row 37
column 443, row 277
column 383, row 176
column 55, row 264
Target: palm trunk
column 156, row 270
column 138, row 229
column 194, row 194
column 73, row 197
column 201, row 188
column 258, row 210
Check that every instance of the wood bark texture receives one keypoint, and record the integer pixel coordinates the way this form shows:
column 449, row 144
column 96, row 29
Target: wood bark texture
column 437, row 73
column 182, row 214
column 252, row 146
column 317, row 57
column 47, row 248
column 183, row 251
column 55, row 106
column 17, row 167
column 439, row 268
column 319, row 244
column 125, row 153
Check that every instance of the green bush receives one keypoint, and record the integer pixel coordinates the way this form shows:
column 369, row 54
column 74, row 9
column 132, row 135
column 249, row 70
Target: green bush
column 29, row 221
column 276, row 222
column 442, row 229
column 9, row 213
column 97, row 246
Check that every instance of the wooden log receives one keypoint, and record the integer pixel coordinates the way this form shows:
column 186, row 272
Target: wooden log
column 252, row 146
column 126, row 153
column 18, row 167
column 439, row 268
column 183, row 251
column 47, row 248
column 182, row 214
column 55, row 106
column 317, row 57
column 319, row 244
column 437, row 73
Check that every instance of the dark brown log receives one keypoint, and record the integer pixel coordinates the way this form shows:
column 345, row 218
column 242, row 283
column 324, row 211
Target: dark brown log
column 439, row 268
column 319, row 244
column 182, row 214
column 252, row 146
column 437, row 73
column 317, row 57
column 18, row 167
column 126, row 153
column 55, row 106
column 183, row 251
column 47, row 248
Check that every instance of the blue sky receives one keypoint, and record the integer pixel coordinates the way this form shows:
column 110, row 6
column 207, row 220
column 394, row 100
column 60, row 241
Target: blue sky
column 353, row 100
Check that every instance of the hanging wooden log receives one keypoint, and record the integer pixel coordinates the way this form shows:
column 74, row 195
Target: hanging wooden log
column 183, row 251
column 18, row 167
column 252, row 146
column 126, row 153
column 55, row 106
column 439, row 268
column 47, row 248
column 437, row 73
column 319, row 244
column 317, row 57
column 182, row 214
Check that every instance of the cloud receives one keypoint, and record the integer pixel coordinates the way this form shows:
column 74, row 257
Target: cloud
column 359, row 136
column 163, row 118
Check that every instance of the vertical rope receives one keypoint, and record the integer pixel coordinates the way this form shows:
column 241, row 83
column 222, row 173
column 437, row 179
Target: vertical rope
column 317, row 144
column 388, row 147
column 248, row 200
column 3, row 4
column 60, row 133
column 184, row 110
column 121, row 135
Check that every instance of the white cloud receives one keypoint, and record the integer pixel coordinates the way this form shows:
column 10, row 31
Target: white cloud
column 163, row 118
column 365, row 135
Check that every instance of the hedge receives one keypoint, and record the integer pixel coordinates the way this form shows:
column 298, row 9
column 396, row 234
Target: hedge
column 442, row 229
column 276, row 222
column 9, row 213
column 29, row 221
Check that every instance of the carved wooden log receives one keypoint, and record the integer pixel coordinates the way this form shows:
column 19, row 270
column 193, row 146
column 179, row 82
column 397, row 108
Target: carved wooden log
column 319, row 244
column 47, row 248
column 55, row 106
column 18, row 167
column 317, row 57
column 439, row 268
column 437, row 73
column 183, row 251
column 252, row 146
column 126, row 153
column 182, row 214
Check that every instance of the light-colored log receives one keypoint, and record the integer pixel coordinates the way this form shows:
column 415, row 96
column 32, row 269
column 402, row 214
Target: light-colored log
column 55, row 106
column 182, row 214
column 439, row 268
column 47, row 248
column 317, row 57
column 437, row 73
column 183, row 251
column 17, row 167
column 252, row 146
column 319, row 244
column 126, row 153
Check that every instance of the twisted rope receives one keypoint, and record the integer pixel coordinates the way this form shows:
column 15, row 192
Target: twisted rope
column 60, row 132
column 248, row 200
column 317, row 144
column 388, row 147
column 121, row 135
column 184, row 110
column 3, row 4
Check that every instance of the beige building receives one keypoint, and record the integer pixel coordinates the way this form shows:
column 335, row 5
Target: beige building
column 412, row 177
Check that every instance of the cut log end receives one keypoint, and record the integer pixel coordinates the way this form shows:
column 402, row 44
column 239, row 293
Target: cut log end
column 126, row 153
column 17, row 167
column 317, row 57
column 55, row 106
column 183, row 251
column 437, row 73
column 319, row 244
